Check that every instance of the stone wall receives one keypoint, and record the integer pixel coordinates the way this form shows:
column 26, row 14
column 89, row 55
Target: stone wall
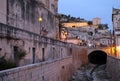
column 113, row 67
column 79, row 57
column 54, row 70
column 60, row 61
column 24, row 14
column 3, row 11
column 45, row 71
column 38, row 48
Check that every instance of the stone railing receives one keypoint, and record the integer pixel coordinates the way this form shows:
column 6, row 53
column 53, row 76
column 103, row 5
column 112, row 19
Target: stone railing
column 58, row 70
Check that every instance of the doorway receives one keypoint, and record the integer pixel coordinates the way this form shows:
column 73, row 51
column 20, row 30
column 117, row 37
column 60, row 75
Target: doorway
column 33, row 52
column 16, row 60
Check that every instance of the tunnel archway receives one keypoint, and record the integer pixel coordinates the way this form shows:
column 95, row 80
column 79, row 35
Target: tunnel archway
column 98, row 57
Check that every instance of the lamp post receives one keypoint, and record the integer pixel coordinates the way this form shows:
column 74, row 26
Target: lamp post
column 40, row 20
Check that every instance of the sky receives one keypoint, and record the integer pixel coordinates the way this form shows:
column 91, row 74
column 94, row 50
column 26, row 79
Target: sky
column 89, row 9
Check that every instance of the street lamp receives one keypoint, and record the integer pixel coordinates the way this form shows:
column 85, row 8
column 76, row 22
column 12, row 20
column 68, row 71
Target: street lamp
column 40, row 20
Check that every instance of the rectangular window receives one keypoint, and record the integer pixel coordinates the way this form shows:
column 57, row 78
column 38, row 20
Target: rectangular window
column 43, row 54
column 33, row 50
column 16, row 55
column 61, row 53
column 70, row 51
column 0, row 49
column 53, row 53
column 47, row 3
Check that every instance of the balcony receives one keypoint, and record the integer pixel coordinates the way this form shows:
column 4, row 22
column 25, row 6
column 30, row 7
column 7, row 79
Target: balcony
column 10, row 32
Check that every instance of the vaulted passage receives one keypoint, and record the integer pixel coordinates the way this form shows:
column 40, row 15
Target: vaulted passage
column 97, row 57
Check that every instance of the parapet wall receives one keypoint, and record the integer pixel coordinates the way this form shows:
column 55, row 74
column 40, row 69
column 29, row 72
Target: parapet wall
column 45, row 71
column 57, row 70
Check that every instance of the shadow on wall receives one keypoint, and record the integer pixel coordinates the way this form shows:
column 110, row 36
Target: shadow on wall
column 97, row 57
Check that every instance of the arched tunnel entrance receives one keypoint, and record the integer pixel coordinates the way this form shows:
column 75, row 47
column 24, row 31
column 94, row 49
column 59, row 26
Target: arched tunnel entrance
column 98, row 57
column 95, row 70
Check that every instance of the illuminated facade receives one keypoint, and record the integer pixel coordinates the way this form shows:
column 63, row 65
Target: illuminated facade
column 75, row 24
column 116, row 28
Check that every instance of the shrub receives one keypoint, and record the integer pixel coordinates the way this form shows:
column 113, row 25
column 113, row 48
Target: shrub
column 5, row 64
column 21, row 53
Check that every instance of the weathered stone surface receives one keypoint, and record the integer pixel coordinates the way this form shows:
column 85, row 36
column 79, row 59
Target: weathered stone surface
column 92, row 73
column 54, row 70
column 113, row 67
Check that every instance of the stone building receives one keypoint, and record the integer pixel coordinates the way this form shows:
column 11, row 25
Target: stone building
column 30, row 25
column 116, row 28
column 96, row 21
column 24, row 14
column 75, row 24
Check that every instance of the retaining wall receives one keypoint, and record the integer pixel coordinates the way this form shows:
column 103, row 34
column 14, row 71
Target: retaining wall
column 113, row 67
column 54, row 70
column 45, row 71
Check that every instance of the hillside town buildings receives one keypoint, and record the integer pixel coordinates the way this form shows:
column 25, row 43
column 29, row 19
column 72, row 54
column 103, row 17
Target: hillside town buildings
column 96, row 21
column 83, row 32
column 75, row 24
column 36, row 33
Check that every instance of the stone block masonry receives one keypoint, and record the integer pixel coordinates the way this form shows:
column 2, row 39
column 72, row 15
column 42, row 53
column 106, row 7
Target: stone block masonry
column 46, row 60
column 57, row 70
column 44, row 71
column 113, row 67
